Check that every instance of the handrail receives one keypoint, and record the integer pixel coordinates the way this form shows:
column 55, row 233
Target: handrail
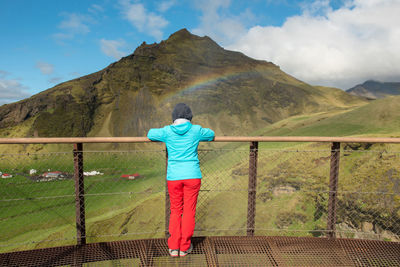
column 73, row 140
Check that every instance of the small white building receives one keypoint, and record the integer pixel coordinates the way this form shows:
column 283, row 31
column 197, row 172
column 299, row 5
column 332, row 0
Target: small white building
column 130, row 176
column 55, row 174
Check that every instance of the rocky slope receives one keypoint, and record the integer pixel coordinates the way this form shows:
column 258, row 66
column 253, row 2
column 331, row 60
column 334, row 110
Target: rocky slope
column 227, row 91
column 374, row 89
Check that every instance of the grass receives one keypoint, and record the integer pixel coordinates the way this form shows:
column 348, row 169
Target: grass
column 377, row 118
column 38, row 204
column 121, row 209
column 31, row 215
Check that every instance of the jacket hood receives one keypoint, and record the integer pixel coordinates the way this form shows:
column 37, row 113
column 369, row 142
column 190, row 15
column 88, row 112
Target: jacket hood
column 181, row 129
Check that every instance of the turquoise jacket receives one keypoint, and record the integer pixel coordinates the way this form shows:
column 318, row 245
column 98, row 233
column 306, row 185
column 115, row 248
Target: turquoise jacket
column 182, row 141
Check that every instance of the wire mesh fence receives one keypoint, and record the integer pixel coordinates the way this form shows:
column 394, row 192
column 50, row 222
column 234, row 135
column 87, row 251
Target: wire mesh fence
column 36, row 200
column 124, row 193
column 369, row 193
column 224, row 182
column 293, row 191
column 124, row 197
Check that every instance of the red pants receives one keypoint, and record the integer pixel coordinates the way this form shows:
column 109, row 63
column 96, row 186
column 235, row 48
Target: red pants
column 183, row 199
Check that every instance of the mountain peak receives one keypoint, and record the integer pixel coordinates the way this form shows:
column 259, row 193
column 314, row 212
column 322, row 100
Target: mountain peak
column 180, row 42
column 176, row 39
column 375, row 89
column 182, row 33
column 374, row 82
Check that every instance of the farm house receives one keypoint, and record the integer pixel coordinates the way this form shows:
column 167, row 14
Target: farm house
column 131, row 176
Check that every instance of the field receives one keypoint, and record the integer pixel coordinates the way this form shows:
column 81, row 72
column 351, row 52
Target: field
column 39, row 211
column 292, row 187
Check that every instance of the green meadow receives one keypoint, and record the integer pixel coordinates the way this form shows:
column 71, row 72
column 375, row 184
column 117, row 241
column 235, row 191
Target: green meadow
column 35, row 212
column 292, row 186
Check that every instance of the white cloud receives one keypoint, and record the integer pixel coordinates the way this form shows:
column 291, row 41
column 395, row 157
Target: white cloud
column 73, row 24
column 142, row 20
column 45, row 68
column 12, row 90
column 341, row 47
column 217, row 23
column 3, row 74
column 165, row 5
column 63, row 36
column 318, row 7
column 112, row 48
column 95, row 9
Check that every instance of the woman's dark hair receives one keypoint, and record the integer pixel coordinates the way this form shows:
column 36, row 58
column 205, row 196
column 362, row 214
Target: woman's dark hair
column 183, row 111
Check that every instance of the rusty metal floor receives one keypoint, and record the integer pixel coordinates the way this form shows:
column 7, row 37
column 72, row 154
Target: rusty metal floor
column 217, row 251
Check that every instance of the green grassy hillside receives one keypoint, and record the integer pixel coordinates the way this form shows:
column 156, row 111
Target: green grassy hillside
column 378, row 118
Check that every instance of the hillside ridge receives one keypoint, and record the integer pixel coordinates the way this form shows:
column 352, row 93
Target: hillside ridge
column 227, row 90
column 374, row 89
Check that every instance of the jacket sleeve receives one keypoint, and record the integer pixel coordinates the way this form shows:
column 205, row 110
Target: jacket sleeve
column 156, row 134
column 206, row 134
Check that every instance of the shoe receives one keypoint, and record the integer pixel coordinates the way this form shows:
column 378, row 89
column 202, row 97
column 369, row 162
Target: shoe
column 173, row 252
column 184, row 253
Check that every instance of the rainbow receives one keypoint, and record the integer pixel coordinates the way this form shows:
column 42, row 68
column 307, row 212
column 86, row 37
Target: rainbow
column 211, row 79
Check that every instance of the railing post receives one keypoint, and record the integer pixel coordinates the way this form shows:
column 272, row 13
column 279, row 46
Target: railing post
column 333, row 187
column 79, row 194
column 251, row 201
column 167, row 204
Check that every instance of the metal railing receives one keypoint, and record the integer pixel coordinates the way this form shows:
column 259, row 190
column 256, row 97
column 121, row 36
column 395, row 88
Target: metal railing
column 227, row 168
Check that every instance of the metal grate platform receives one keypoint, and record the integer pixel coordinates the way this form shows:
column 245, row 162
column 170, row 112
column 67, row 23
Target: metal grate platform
column 217, row 251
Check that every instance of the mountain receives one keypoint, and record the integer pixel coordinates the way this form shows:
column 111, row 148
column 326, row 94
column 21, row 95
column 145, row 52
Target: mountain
column 374, row 89
column 228, row 91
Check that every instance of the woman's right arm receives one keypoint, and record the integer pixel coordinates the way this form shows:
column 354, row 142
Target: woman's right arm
column 206, row 134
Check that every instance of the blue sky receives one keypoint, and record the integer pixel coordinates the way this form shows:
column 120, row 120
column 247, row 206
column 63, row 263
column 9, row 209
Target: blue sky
column 333, row 43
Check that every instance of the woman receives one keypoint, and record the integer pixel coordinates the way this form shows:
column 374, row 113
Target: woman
column 183, row 175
